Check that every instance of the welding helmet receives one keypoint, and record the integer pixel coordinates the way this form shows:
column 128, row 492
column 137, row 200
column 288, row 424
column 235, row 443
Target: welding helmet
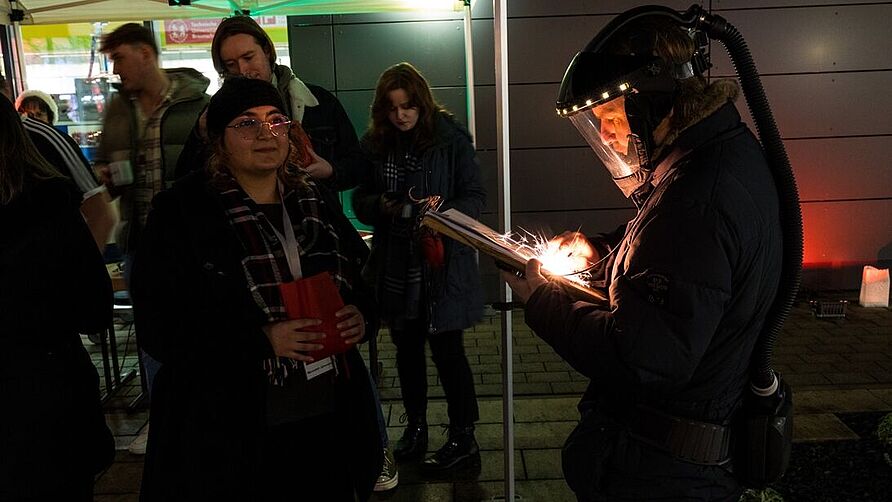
column 616, row 92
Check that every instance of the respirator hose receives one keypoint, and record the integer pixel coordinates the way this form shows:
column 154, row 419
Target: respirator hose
column 718, row 28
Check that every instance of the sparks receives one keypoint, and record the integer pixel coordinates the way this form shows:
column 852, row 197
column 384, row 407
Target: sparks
column 569, row 261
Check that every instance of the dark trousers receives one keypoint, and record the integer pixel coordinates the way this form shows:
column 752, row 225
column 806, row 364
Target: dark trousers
column 307, row 460
column 448, row 353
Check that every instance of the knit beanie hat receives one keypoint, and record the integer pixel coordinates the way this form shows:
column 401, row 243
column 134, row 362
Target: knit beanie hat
column 236, row 95
column 46, row 98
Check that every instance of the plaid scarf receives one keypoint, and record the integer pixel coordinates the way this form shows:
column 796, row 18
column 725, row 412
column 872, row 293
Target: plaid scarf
column 148, row 171
column 264, row 263
column 402, row 282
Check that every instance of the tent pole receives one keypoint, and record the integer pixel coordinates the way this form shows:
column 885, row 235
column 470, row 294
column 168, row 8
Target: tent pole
column 14, row 33
column 469, row 73
column 500, row 30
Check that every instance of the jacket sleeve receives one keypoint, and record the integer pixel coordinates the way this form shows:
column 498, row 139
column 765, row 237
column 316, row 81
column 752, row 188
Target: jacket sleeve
column 605, row 244
column 348, row 162
column 92, row 296
column 179, row 321
column 195, row 152
column 367, row 196
column 468, row 195
column 664, row 309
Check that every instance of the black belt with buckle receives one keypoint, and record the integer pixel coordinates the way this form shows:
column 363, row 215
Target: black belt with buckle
column 692, row 441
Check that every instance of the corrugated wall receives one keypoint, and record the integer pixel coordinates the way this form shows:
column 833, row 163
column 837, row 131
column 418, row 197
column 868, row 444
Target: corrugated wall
column 826, row 68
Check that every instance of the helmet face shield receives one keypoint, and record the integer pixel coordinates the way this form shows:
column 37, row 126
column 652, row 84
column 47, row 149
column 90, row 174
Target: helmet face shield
column 606, row 129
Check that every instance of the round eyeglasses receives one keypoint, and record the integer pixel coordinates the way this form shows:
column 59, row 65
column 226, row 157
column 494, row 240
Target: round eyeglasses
column 250, row 128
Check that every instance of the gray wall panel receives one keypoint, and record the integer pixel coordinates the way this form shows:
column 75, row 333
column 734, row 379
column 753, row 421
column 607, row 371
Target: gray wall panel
column 534, row 123
column 484, row 53
column 749, row 4
column 837, row 125
column 580, row 7
column 818, row 39
column 842, row 168
column 485, row 111
column 363, row 51
column 842, row 104
column 312, row 56
column 395, row 17
column 561, row 179
column 540, row 48
column 846, row 232
column 309, row 20
column 587, row 222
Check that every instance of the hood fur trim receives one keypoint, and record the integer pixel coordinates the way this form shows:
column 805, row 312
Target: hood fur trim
column 715, row 96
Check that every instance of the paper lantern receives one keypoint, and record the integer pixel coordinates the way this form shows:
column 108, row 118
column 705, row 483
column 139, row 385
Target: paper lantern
column 874, row 287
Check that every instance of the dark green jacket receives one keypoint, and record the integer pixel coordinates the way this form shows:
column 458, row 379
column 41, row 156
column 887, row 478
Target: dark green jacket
column 119, row 141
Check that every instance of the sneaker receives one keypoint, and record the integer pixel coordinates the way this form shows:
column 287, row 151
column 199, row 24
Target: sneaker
column 390, row 476
column 138, row 445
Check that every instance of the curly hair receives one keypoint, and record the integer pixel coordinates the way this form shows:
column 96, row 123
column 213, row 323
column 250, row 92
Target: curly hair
column 382, row 134
column 289, row 173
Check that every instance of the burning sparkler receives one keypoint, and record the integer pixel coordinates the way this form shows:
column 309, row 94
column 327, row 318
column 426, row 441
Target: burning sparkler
column 571, row 260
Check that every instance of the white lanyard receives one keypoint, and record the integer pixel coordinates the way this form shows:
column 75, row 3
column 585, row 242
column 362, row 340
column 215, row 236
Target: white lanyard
column 289, row 241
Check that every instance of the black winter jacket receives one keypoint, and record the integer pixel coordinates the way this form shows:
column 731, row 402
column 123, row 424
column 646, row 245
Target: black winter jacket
column 453, row 172
column 690, row 285
column 53, row 285
column 197, row 317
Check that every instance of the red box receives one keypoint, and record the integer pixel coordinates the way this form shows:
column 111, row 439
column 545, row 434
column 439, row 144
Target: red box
column 316, row 297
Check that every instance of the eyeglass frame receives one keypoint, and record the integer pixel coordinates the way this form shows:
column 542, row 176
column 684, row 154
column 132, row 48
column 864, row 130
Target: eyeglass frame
column 271, row 126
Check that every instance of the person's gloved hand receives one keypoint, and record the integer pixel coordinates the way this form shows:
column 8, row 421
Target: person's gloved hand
column 524, row 284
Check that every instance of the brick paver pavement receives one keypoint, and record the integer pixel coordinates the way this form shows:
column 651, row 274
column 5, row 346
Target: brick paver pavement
column 835, row 366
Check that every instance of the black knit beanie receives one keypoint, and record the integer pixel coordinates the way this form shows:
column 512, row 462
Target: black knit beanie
column 236, row 95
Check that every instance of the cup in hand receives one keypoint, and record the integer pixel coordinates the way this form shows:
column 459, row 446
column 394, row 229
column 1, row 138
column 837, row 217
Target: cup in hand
column 121, row 172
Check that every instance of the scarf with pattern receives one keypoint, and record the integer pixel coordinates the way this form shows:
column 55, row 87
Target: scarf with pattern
column 264, row 263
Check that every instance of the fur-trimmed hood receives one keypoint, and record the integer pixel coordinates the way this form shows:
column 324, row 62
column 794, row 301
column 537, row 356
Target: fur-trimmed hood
column 715, row 95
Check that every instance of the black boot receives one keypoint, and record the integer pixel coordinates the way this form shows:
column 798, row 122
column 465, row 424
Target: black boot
column 460, row 449
column 413, row 444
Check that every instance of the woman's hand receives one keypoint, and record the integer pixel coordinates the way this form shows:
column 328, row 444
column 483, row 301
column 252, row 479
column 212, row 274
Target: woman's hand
column 352, row 324
column 292, row 339
column 320, row 168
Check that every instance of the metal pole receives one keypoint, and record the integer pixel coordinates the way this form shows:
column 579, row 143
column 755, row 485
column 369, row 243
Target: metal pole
column 469, row 73
column 500, row 29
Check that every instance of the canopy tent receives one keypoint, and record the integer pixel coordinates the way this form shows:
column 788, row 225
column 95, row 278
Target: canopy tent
column 72, row 11
column 76, row 11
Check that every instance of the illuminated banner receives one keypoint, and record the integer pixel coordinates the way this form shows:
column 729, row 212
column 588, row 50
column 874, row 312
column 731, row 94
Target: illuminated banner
column 200, row 32
column 189, row 31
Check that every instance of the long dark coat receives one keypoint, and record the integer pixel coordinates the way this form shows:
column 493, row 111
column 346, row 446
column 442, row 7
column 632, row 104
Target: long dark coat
column 453, row 172
column 53, row 285
column 196, row 316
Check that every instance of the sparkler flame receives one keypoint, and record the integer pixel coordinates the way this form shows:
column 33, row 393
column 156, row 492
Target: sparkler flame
column 570, row 260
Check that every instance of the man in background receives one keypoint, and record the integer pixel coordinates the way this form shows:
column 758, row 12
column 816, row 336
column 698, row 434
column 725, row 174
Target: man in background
column 242, row 48
column 143, row 134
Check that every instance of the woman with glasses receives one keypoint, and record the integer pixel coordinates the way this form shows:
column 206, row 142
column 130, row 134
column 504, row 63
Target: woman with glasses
column 243, row 409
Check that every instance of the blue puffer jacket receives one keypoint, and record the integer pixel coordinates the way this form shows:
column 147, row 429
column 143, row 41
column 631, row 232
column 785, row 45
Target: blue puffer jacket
column 453, row 172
